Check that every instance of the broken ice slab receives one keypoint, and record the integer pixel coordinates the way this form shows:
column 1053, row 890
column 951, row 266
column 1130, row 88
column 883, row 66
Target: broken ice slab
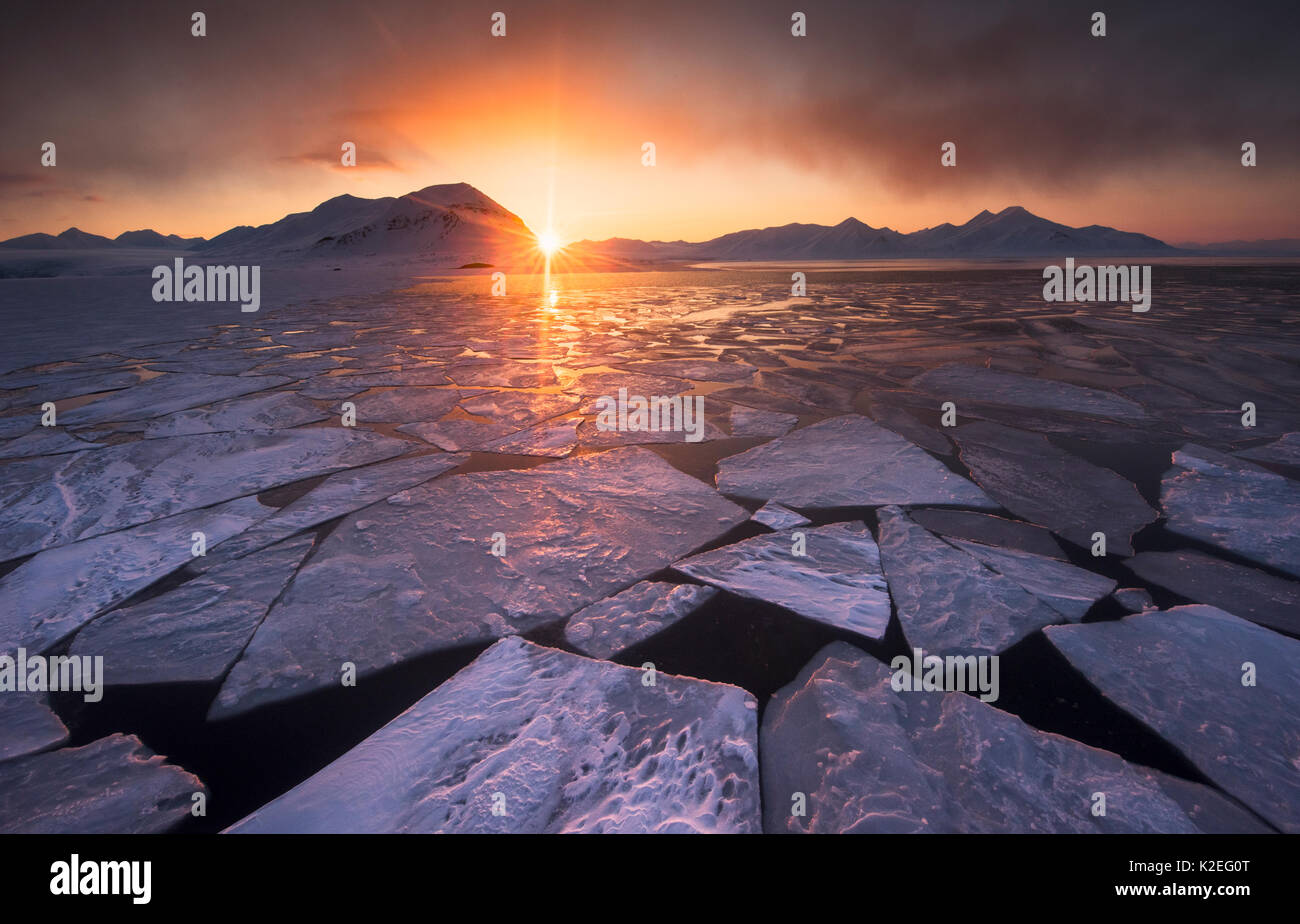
column 1256, row 595
column 553, row 438
column 1223, row 691
column 54, row 593
column 867, row 759
column 50, row 502
column 1235, row 505
column 534, row 740
column 901, row 421
column 616, row 623
column 947, row 600
column 339, row 494
column 194, row 633
column 46, row 441
column 1283, row 451
column 572, row 532
column 407, row 404
column 847, row 461
column 1068, row 589
column 990, row 530
column 1133, row 599
column 274, row 410
column 518, row 409
column 700, row 370
column 836, row 580
column 1054, row 488
column 774, row 516
column 30, row 725
column 501, row 373
column 702, row 430
column 597, row 385
column 748, row 421
column 975, row 383
column 17, row 425
column 167, row 394
column 760, row 399
column 114, row 785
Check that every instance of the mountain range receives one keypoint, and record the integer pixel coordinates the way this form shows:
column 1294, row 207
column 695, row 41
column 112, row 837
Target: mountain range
column 455, row 224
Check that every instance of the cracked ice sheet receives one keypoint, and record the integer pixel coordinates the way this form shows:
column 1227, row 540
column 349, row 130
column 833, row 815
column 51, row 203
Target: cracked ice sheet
column 975, row 383
column 576, row 531
column 838, row 582
column 631, row 616
column 166, row 394
column 872, row 760
column 404, row 404
column 53, row 501
column 774, row 517
column 1053, row 488
column 1179, row 671
column 572, row 744
column 1235, row 505
column 50, row 596
column 1068, row 589
column 30, row 725
column 114, row 785
column 989, row 530
column 194, row 633
column 1261, row 597
column 748, row 421
column 339, row 494
column 948, row 602
column 47, row 441
column 1283, row 451
column 847, row 461
column 274, row 410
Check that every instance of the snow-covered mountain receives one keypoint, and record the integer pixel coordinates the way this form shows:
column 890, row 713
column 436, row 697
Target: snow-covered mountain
column 450, row 223
column 1013, row 232
column 455, row 224
column 76, row 239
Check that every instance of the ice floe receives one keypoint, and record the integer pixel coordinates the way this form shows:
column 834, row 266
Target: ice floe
column 830, row 574
column 1223, row 691
column 847, row 461
column 1054, row 488
column 1246, row 592
column 194, row 633
column 863, row 758
column 572, row 532
column 616, row 623
column 947, row 600
column 114, row 785
column 49, row 502
column 1235, row 505
column 534, row 740
column 54, row 593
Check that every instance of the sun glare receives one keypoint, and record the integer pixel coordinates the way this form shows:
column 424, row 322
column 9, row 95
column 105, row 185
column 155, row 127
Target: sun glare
column 548, row 243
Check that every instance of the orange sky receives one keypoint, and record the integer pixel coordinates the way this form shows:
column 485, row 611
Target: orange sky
column 753, row 127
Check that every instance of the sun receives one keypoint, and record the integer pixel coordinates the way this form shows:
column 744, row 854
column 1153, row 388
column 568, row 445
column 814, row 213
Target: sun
column 548, row 243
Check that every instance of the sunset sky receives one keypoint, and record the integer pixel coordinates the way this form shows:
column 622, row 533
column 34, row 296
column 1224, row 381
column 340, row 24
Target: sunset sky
column 1140, row 130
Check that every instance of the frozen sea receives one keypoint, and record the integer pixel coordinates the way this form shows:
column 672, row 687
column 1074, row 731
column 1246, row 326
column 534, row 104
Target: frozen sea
column 406, row 498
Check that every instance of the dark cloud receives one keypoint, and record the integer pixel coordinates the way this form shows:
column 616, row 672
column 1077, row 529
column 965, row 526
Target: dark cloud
column 1023, row 88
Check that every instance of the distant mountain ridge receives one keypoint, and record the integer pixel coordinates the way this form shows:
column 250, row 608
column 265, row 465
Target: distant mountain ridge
column 456, row 223
column 76, row 239
column 1012, row 232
